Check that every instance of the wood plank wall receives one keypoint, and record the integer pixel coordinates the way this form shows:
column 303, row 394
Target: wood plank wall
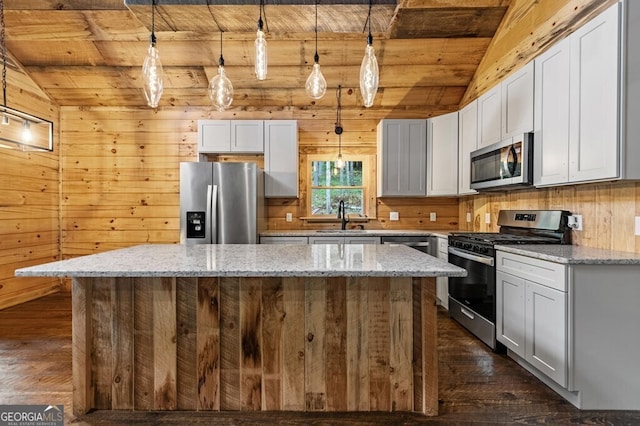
column 29, row 201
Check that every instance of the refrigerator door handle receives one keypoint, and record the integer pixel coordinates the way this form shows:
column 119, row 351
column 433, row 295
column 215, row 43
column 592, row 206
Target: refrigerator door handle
column 212, row 205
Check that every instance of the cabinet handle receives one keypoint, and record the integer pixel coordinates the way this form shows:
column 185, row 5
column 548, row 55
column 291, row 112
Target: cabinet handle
column 467, row 313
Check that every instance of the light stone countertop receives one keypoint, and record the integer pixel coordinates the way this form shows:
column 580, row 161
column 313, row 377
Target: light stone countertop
column 573, row 255
column 356, row 232
column 251, row 260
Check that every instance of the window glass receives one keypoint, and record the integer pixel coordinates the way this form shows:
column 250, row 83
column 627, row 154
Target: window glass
column 330, row 185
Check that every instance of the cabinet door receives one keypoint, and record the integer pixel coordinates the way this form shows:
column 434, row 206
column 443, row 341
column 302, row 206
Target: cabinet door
column 442, row 155
column 214, row 136
column 361, row 240
column 467, row 143
column 510, row 312
column 552, row 97
column 326, row 240
column 546, row 331
column 490, row 117
column 284, row 240
column 281, row 158
column 247, row 136
column 594, row 143
column 517, row 102
column 442, row 283
column 402, row 158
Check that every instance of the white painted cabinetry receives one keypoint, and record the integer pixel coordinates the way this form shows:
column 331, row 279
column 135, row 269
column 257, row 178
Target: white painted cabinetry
column 467, row 142
column 442, row 155
column 506, row 110
column 442, row 283
column 225, row 136
column 281, row 158
column 334, row 239
column 402, row 158
column 284, row 240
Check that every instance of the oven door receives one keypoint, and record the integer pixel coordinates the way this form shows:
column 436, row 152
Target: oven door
column 477, row 290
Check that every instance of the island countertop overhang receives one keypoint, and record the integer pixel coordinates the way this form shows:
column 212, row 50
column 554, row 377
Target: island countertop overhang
column 245, row 260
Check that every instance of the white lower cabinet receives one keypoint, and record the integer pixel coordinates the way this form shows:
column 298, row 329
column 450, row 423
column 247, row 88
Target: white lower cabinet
column 442, row 283
column 284, row 240
column 333, row 239
column 531, row 312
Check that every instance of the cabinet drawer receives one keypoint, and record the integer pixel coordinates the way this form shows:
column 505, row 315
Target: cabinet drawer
column 443, row 246
column 540, row 271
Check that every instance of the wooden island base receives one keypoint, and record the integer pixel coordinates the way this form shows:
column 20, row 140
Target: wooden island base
column 276, row 343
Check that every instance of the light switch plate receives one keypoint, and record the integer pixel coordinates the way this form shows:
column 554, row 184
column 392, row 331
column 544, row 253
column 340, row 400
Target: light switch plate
column 432, row 216
column 289, row 217
column 575, row 222
column 637, row 225
column 487, row 218
column 468, row 217
column 394, row 216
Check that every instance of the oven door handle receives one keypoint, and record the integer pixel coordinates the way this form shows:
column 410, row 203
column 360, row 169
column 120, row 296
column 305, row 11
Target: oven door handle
column 476, row 258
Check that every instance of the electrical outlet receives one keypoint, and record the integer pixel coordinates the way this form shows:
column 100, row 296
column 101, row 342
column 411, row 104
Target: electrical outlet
column 575, row 222
column 468, row 217
column 487, row 218
column 288, row 217
column 637, row 225
column 394, row 216
column 432, row 216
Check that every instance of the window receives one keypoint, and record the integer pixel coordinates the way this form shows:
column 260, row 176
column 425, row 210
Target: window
column 330, row 185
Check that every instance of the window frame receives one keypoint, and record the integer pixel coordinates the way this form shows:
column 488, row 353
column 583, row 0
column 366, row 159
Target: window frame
column 368, row 182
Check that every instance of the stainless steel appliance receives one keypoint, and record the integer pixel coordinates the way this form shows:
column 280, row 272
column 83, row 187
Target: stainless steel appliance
column 506, row 164
column 221, row 203
column 424, row 244
column 472, row 299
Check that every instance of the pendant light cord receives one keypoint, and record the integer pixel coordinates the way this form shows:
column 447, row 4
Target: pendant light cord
column 153, row 22
column 316, row 57
column 339, row 128
column 4, row 55
column 369, row 37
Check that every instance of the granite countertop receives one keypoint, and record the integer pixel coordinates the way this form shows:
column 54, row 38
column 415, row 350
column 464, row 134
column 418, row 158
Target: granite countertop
column 363, row 232
column 573, row 255
column 238, row 260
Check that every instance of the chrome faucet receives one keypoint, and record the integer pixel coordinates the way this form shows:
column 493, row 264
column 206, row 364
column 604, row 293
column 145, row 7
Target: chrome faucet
column 342, row 214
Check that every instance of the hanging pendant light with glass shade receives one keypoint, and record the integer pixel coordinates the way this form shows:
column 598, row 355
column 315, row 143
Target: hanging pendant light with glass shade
column 338, row 128
column 152, row 74
column 369, row 73
column 316, row 85
column 261, row 48
column 220, row 87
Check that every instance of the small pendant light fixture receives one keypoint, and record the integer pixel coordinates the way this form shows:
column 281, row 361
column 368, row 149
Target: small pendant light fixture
column 152, row 73
column 339, row 129
column 220, row 87
column 369, row 74
column 316, row 85
column 261, row 49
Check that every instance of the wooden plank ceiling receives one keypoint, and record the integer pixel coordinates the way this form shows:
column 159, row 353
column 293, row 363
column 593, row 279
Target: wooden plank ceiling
column 90, row 53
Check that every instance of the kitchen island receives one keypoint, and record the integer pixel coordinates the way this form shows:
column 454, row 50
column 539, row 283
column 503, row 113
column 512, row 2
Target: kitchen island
column 254, row 327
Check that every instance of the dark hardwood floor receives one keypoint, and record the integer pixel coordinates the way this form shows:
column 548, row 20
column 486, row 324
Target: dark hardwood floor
column 476, row 385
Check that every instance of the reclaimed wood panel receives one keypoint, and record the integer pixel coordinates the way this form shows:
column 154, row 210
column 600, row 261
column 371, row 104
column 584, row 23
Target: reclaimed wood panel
column 164, row 343
column 207, row 329
column 272, row 339
column 250, row 344
column 82, row 339
column 143, row 344
column 122, row 338
column 379, row 344
column 293, row 348
column 187, row 305
column 336, row 344
column 357, row 345
column 230, row 344
column 401, row 344
column 101, row 348
column 429, row 314
column 315, row 371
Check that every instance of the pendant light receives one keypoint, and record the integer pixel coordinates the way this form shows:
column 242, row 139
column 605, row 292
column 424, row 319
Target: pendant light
column 261, row 49
column 220, row 87
column 152, row 67
column 316, row 85
column 339, row 129
column 369, row 74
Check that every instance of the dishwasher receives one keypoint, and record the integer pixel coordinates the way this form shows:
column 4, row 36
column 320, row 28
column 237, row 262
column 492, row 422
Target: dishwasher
column 425, row 244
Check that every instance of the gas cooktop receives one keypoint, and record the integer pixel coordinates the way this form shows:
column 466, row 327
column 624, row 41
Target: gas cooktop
column 503, row 238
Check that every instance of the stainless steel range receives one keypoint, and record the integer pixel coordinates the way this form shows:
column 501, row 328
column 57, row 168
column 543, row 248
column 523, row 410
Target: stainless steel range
column 472, row 299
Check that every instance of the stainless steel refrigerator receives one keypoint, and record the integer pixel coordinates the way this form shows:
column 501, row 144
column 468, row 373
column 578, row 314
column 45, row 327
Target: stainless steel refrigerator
column 221, row 203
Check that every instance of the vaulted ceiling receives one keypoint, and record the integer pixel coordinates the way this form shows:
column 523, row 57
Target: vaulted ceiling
column 90, row 53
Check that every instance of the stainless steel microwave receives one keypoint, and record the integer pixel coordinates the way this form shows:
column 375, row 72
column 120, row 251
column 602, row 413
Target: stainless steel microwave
column 506, row 164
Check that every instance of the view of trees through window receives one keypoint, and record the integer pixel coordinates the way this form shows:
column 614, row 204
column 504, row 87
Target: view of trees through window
column 330, row 185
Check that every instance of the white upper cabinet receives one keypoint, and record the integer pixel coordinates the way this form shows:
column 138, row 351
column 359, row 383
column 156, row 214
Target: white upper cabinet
column 224, row 136
column 467, row 142
column 442, row 155
column 507, row 109
column 402, row 158
column 281, row 158
column 577, row 106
